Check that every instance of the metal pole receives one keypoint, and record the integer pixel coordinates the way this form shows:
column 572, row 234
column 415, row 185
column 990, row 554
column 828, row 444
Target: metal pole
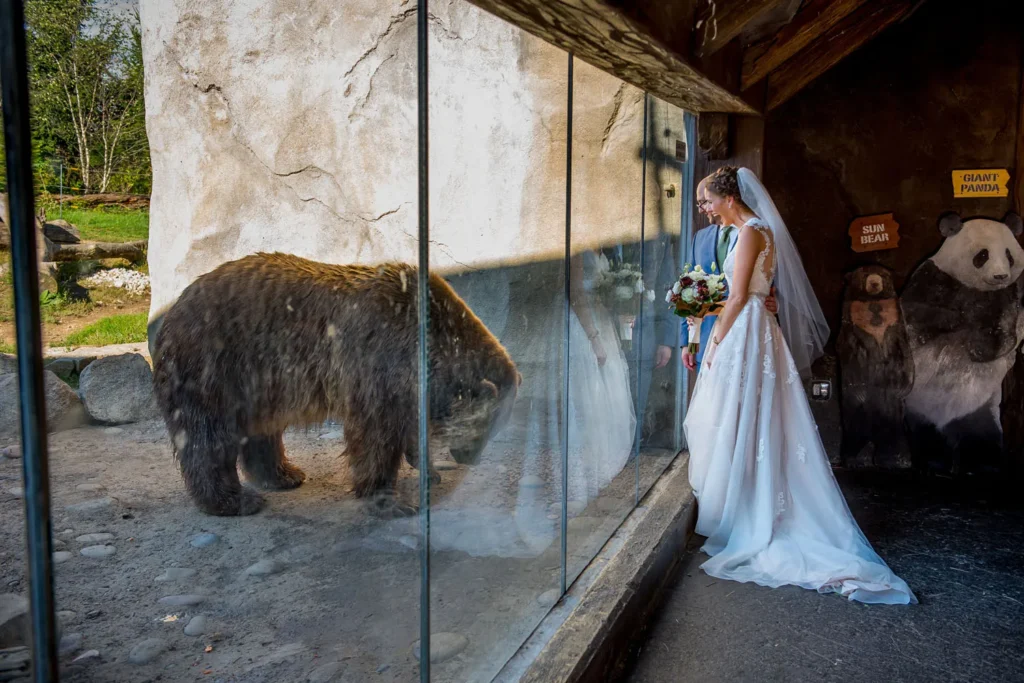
column 423, row 307
column 565, row 349
column 686, row 239
column 14, row 79
column 640, row 326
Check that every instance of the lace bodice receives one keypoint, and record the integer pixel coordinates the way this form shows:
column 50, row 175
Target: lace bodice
column 764, row 267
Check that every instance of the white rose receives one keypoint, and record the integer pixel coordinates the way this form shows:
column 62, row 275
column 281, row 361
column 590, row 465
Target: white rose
column 677, row 287
column 650, row 295
column 624, row 292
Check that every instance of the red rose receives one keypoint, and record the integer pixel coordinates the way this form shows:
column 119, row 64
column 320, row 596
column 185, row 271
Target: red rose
column 686, row 282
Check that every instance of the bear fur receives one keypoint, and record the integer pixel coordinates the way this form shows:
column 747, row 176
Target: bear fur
column 963, row 314
column 876, row 366
column 275, row 340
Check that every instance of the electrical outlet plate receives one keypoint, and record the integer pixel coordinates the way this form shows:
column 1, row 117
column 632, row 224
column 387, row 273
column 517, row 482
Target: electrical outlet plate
column 821, row 390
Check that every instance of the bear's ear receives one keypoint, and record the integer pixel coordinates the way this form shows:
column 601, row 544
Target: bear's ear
column 488, row 387
column 1014, row 223
column 950, row 224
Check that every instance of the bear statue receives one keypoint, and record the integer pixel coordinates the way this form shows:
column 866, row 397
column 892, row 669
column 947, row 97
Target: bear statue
column 963, row 314
column 876, row 368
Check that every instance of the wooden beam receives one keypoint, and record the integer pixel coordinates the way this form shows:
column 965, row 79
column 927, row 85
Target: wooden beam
column 815, row 18
column 828, row 50
column 719, row 21
column 603, row 34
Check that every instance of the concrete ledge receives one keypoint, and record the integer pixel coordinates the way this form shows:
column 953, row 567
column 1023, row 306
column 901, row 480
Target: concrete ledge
column 587, row 635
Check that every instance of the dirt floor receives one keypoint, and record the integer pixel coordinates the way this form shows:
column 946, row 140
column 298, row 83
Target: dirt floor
column 312, row 588
column 73, row 315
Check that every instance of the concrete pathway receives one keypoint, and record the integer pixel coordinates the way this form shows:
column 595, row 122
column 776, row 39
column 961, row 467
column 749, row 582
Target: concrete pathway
column 964, row 560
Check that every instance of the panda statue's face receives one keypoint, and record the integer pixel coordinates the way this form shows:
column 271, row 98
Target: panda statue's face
column 983, row 255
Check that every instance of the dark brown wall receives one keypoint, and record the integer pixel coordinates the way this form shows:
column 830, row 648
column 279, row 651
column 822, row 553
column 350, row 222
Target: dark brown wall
column 883, row 130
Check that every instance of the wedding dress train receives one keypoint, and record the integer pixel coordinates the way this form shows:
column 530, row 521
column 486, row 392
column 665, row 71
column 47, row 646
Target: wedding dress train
column 769, row 503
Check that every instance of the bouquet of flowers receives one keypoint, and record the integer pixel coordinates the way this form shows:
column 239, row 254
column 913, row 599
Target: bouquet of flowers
column 697, row 294
column 621, row 288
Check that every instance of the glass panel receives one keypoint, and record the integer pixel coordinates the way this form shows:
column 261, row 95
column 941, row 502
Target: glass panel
column 498, row 119
column 604, row 281
column 660, row 389
column 268, row 132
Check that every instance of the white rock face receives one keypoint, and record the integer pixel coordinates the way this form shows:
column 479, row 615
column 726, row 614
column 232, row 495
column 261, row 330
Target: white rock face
column 291, row 125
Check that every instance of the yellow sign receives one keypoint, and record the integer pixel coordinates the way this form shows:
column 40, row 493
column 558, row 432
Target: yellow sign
column 992, row 182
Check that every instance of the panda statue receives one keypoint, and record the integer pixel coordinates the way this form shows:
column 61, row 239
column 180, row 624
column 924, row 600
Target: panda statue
column 963, row 313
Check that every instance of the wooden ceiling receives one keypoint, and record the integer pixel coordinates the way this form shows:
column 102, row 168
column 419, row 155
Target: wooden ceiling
column 709, row 56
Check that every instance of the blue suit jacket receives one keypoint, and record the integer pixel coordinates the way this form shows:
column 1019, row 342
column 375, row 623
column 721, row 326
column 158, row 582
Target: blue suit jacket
column 705, row 253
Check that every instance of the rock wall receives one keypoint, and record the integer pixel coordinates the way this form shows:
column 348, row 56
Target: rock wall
column 291, row 125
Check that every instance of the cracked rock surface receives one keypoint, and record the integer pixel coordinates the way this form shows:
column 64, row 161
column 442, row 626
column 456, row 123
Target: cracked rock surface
column 291, row 126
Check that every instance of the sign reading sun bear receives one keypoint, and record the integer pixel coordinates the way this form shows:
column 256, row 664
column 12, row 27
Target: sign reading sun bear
column 992, row 182
column 874, row 233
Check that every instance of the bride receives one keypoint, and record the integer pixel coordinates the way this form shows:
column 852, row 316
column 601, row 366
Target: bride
column 769, row 503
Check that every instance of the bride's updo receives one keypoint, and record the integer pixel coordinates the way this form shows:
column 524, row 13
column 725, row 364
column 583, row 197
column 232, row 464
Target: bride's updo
column 725, row 182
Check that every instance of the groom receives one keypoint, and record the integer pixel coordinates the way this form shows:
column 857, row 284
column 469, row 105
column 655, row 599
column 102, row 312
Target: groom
column 711, row 246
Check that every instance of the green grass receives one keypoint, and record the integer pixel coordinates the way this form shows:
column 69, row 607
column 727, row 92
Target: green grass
column 117, row 329
column 108, row 224
column 8, row 348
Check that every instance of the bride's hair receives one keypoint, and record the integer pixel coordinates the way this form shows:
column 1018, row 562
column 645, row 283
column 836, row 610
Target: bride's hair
column 725, row 183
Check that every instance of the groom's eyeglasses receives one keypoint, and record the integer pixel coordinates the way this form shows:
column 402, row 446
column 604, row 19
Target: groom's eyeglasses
column 703, row 203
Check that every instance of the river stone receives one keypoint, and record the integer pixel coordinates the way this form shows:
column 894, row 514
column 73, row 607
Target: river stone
column 265, row 567
column 70, row 643
column 119, row 389
column 61, row 556
column 63, row 407
column 95, row 538
column 182, row 600
column 443, row 646
column 146, row 651
column 98, row 552
column 196, row 626
column 548, row 598
column 203, row 540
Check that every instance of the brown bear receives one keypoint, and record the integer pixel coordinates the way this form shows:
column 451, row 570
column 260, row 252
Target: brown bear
column 274, row 340
column 876, row 367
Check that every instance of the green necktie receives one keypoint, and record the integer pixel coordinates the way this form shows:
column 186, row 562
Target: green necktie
column 723, row 245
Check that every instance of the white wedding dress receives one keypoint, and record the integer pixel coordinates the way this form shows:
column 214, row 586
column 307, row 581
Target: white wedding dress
column 768, row 501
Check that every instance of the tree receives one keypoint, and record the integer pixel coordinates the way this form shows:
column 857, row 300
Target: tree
column 86, row 86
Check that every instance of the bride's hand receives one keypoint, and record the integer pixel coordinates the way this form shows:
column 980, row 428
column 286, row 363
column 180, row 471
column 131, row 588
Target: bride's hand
column 598, row 348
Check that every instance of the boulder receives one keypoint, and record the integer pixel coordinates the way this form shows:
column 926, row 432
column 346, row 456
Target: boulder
column 15, row 624
column 65, row 368
column 62, row 232
column 63, row 407
column 118, row 389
